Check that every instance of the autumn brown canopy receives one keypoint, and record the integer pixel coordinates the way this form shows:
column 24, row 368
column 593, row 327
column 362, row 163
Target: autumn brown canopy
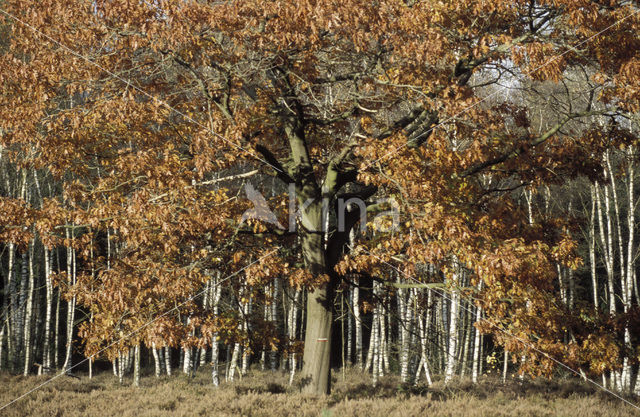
column 129, row 131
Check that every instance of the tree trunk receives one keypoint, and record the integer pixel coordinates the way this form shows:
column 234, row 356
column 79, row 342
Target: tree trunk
column 71, row 306
column 186, row 364
column 215, row 345
column 477, row 342
column 405, row 323
column 246, row 308
column 136, row 367
column 384, row 344
column 292, row 330
column 505, row 366
column 273, row 355
column 317, row 346
column 2, row 328
column 167, row 358
column 629, row 275
column 592, row 248
column 29, row 312
column 607, row 247
column 453, row 325
column 49, row 304
column 317, row 340
column 357, row 322
column 156, row 360
column 234, row 362
column 423, row 325
column 12, row 306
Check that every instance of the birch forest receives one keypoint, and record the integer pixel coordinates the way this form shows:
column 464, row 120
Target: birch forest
column 436, row 190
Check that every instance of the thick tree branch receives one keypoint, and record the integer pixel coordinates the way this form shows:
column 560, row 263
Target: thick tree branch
column 281, row 173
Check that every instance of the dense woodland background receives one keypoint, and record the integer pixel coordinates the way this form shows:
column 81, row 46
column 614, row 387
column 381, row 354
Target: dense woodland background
column 503, row 133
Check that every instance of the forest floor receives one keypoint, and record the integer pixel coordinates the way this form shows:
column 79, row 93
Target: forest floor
column 268, row 394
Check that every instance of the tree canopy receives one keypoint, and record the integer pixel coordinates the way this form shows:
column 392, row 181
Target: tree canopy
column 143, row 116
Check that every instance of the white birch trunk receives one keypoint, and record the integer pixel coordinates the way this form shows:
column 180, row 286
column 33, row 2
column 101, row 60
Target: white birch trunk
column 71, row 306
column 453, row 324
column 136, row 366
column 245, row 327
column 477, row 342
column 505, row 366
column 293, row 326
column 215, row 345
column 630, row 272
column 186, row 364
column 592, row 248
column 121, row 367
column 273, row 355
column 403, row 308
column 156, row 360
column 167, row 359
column 12, row 305
column 422, row 328
column 605, row 240
column 49, row 305
column 357, row 321
column 29, row 312
column 384, row 345
column 234, row 362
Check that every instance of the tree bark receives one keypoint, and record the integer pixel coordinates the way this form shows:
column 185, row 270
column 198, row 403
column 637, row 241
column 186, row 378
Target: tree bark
column 29, row 312
column 71, row 306
column 592, row 248
column 156, row 360
column 167, row 358
column 317, row 339
column 136, row 366
column 215, row 345
column 453, row 325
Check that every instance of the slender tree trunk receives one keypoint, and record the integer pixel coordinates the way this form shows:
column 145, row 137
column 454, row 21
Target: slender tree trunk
column 156, row 360
column 477, row 342
column 29, row 312
column 357, row 322
column 405, row 323
column 71, row 306
column 293, row 325
column 374, row 342
column 607, row 248
column 373, row 338
column 49, row 304
column 466, row 344
column 215, row 345
column 453, row 324
column 167, row 359
column 186, row 364
column 349, row 317
column 505, row 366
column 592, row 248
column 136, row 366
column 273, row 355
column 384, row 343
column 245, row 327
column 56, row 339
column 2, row 331
column 121, row 367
column 423, row 324
column 629, row 275
column 234, row 362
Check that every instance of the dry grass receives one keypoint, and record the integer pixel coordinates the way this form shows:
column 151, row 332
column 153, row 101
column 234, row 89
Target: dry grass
column 267, row 394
